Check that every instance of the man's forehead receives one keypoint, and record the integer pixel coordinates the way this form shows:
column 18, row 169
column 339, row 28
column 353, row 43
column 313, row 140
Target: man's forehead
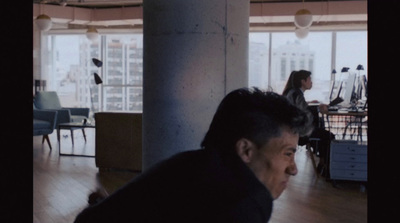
column 286, row 140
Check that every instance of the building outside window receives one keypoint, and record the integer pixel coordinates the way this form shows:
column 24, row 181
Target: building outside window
column 314, row 53
column 68, row 68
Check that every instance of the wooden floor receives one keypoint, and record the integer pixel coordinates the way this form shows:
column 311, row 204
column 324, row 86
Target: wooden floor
column 61, row 185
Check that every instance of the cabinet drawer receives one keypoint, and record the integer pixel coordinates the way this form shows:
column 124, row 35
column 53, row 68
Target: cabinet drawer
column 349, row 166
column 349, row 175
column 339, row 157
column 349, row 148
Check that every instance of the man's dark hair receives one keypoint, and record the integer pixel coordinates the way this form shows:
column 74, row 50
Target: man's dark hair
column 255, row 115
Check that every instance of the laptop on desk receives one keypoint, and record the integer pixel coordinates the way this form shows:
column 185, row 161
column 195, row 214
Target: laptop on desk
column 336, row 101
column 333, row 104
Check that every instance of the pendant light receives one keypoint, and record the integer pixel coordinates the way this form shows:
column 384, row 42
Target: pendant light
column 301, row 33
column 303, row 18
column 91, row 32
column 43, row 21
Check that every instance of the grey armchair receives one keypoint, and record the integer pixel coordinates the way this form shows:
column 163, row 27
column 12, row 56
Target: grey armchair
column 44, row 123
column 49, row 100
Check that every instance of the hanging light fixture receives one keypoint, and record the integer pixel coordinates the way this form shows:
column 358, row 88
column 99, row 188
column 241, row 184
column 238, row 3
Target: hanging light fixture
column 92, row 33
column 43, row 21
column 303, row 18
column 301, row 33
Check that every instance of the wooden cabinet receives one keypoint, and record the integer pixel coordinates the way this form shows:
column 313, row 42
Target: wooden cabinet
column 348, row 161
column 119, row 140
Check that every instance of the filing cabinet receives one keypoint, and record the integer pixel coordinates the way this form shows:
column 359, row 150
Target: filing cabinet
column 348, row 160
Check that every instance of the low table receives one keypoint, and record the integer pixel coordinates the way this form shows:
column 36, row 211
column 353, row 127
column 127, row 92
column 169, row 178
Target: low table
column 73, row 126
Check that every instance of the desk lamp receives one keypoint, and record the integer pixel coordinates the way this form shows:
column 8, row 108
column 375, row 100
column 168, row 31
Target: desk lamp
column 97, row 79
column 345, row 69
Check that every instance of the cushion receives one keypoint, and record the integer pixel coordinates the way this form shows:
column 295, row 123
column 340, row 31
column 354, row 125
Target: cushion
column 47, row 100
column 40, row 124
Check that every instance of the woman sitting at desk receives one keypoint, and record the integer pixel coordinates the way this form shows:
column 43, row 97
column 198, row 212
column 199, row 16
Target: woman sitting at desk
column 297, row 84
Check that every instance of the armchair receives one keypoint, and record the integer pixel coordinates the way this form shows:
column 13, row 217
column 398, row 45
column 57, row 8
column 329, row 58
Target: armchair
column 49, row 100
column 44, row 123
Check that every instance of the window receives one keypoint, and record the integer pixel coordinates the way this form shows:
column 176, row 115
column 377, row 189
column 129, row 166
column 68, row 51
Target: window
column 123, row 73
column 313, row 53
column 258, row 59
column 69, row 70
column 351, row 50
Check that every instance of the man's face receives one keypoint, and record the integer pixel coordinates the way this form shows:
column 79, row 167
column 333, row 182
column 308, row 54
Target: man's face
column 274, row 163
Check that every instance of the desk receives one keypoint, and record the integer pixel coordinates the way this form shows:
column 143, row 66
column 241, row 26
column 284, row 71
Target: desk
column 342, row 122
column 72, row 126
column 348, row 152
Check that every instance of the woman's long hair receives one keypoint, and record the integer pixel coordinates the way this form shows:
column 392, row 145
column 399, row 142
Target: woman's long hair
column 294, row 80
column 289, row 84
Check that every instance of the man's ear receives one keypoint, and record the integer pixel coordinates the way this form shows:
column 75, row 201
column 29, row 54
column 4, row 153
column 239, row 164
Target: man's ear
column 245, row 149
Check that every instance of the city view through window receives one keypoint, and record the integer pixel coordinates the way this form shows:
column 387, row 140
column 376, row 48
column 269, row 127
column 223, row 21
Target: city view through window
column 316, row 53
column 69, row 69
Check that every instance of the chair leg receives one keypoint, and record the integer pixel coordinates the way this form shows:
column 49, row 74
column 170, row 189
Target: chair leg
column 308, row 147
column 46, row 137
column 84, row 135
column 72, row 136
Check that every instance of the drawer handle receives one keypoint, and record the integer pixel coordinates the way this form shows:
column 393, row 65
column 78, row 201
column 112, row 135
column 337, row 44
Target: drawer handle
column 352, row 150
column 352, row 158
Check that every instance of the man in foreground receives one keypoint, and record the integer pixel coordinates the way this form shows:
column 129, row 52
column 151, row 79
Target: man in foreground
column 245, row 162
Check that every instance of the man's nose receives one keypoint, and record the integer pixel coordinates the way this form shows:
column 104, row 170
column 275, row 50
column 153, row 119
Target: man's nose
column 292, row 169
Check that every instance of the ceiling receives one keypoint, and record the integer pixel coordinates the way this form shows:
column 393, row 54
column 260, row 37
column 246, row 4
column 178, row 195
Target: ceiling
column 131, row 3
column 119, row 14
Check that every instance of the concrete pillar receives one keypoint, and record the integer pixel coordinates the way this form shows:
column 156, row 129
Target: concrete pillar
column 195, row 52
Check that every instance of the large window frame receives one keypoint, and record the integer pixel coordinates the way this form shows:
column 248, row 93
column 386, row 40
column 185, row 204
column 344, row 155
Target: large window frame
column 274, row 72
column 132, row 87
column 122, row 73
